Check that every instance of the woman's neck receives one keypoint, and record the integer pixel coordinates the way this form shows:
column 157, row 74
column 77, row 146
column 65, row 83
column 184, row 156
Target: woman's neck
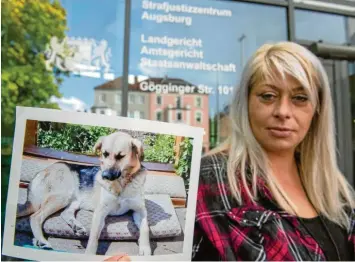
column 284, row 167
column 285, row 171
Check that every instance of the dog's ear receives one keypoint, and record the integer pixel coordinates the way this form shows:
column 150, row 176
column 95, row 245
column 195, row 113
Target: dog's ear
column 137, row 148
column 98, row 144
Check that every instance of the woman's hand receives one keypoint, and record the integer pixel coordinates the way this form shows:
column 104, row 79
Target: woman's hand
column 122, row 257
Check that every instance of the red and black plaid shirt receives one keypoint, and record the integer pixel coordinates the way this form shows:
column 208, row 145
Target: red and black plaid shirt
column 225, row 230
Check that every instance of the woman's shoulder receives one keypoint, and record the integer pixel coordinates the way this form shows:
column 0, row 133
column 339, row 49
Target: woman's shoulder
column 212, row 165
column 213, row 182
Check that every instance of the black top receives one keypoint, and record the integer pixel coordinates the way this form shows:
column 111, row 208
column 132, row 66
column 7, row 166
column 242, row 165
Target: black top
column 339, row 235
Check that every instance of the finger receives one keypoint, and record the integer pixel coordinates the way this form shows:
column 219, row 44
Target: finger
column 122, row 257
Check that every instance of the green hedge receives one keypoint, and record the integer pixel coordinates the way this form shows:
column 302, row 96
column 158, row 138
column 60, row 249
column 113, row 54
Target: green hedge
column 70, row 137
column 160, row 148
column 183, row 166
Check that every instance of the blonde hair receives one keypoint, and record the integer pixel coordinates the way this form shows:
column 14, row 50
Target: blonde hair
column 324, row 183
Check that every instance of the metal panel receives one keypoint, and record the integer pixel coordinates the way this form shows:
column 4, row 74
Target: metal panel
column 338, row 2
column 291, row 25
column 314, row 7
column 338, row 52
column 127, row 32
column 325, row 9
column 340, row 91
column 267, row 2
column 343, row 118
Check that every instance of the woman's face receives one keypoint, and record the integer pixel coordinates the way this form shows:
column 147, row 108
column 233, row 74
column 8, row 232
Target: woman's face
column 280, row 114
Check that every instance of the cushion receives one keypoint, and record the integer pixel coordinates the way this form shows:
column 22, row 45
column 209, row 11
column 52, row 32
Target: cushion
column 171, row 185
column 155, row 184
column 162, row 219
column 29, row 168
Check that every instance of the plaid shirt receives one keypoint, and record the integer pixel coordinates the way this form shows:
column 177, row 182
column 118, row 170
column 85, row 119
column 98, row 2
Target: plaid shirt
column 225, row 230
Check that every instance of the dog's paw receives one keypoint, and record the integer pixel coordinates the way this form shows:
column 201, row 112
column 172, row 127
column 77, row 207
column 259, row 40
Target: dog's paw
column 79, row 230
column 41, row 245
column 145, row 250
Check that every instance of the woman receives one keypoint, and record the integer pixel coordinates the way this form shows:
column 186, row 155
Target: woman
column 273, row 190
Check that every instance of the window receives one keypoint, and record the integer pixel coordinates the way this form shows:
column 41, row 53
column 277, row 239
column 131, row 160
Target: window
column 198, row 102
column 178, row 102
column 181, row 84
column 317, row 26
column 137, row 114
column 131, row 98
column 159, row 116
column 96, row 58
column 118, row 98
column 198, row 117
column 178, row 116
column 141, row 115
column 141, row 99
column 159, row 100
column 102, row 98
column 351, row 30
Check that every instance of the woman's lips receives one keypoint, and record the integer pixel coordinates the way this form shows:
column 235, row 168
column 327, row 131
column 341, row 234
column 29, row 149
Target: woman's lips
column 280, row 132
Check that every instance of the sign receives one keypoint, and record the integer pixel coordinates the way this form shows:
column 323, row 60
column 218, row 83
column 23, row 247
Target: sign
column 81, row 56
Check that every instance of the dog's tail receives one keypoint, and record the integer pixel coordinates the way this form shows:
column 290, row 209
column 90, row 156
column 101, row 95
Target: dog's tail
column 25, row 209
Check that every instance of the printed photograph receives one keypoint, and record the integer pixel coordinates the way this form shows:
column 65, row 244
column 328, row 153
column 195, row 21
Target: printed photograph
column 102, row 191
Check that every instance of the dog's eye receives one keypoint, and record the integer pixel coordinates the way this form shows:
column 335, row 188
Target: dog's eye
column 119, row 156
column 105, row 154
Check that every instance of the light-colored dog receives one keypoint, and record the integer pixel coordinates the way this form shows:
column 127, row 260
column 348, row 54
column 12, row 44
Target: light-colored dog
column 117, row 187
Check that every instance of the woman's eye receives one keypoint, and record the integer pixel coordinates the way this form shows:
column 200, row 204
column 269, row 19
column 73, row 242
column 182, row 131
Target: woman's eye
column 268, row 96
column 119, row 156
column 105, row 154
column 300, row 98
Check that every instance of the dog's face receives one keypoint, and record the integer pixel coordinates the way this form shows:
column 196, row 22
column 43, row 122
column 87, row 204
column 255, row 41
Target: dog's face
column 120, row 155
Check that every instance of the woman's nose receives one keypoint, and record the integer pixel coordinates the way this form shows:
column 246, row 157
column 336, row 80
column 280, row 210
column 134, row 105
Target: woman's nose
column 283, row 108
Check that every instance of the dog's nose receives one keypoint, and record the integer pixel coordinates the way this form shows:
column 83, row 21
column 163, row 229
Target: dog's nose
column 111, row 174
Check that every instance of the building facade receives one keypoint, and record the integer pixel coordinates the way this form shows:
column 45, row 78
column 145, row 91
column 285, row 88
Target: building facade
column 190, row 108
column 196, row 47
column 108, row 100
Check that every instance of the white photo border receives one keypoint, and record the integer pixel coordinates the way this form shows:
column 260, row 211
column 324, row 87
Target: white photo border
column 28, row 113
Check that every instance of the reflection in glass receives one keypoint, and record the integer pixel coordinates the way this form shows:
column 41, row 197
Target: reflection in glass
column 317, row 26
column 178, row 116
column 189, row 70
column 351, row 30
column 198, row 102
column 159, row 99
column 159, row 116
column 198, row 117
column 95, row 43
column 178, row 102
